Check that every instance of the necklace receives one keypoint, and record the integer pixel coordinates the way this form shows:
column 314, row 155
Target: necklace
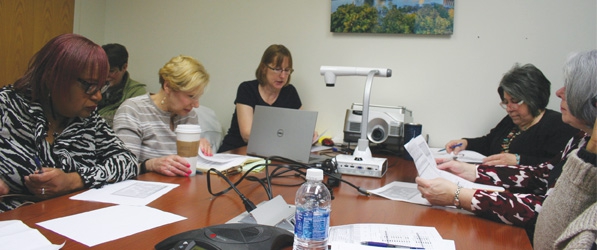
column 58, row 127
column 54, row 133
column 506, row 142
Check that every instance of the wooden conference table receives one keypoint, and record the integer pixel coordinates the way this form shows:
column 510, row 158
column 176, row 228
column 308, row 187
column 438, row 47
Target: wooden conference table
column 192, row 200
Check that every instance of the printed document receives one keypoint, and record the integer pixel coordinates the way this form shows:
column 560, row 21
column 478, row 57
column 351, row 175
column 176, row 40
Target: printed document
column 129, row 192
column 427, row 168
column 223, row 162
column 401, row 191
column 415, row 237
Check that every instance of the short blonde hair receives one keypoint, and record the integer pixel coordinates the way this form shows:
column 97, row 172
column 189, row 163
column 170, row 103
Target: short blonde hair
column 184, row 73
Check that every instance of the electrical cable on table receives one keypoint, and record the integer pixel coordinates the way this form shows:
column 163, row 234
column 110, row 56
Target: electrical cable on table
column 267, row 184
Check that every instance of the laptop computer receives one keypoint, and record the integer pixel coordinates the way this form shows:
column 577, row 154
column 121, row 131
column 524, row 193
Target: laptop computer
column 283, row 132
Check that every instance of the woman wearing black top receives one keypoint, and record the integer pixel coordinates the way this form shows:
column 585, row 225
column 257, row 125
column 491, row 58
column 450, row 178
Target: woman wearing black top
column 530, row 134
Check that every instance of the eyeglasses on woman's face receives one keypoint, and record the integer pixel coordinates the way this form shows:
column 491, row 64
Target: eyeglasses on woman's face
column 279, row 71
column 514, row 104
column 92, row 88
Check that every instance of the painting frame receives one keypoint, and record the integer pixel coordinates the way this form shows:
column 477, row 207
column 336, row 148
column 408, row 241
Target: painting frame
column 419, row 17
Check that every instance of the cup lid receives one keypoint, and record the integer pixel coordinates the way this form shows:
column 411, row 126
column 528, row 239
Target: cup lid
column 188, row 128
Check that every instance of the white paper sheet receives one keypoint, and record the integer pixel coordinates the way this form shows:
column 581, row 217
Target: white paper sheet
column 14, row 234
column 129, row 192
column 443, row 245
column 464, row 155
column 401, row 191
column 317, row 148
column 410, row 236
column 351, row 246
column 427, row 168
column 111, row 223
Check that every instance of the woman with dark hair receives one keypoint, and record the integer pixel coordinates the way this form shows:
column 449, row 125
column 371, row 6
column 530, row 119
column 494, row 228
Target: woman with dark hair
column 52, row 139
column 530, row 133
column 271, row 88
column 527, row 186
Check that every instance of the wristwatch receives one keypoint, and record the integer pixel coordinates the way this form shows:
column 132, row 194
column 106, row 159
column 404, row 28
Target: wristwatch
column 457, row 197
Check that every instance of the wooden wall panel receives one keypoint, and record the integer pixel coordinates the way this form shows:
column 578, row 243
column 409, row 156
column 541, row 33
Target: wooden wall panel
column 25, row 26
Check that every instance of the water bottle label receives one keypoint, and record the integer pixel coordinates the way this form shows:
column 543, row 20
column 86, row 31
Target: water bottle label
column 312, row 225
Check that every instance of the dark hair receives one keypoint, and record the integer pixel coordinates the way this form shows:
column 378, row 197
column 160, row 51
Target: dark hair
column 526, row 83
column 59, row 63
column 275, row 55
column 117, row 54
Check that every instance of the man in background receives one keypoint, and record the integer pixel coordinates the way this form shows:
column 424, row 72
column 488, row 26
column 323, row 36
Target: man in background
column 122, row 86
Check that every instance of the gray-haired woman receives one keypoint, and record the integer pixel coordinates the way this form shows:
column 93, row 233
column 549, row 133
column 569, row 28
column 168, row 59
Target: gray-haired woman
column 527, row 186
column 569, row 215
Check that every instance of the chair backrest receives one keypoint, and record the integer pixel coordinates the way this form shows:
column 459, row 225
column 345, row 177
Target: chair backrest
column 211, row 128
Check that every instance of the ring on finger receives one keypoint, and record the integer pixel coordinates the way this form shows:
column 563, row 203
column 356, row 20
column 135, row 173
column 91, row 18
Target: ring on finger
column 43, row 191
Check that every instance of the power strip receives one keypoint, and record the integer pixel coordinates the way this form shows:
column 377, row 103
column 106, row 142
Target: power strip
column 354, row 165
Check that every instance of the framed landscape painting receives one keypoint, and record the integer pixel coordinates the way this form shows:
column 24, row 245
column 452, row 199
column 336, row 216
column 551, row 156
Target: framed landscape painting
column 424, row 17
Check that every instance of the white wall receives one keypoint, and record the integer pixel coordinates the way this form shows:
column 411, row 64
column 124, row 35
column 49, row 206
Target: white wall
column 90, row 18
column 449, row 82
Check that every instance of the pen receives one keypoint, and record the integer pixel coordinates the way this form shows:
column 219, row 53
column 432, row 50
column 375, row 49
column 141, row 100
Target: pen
column 38, row 165
column 452, row 147
column 387, row 245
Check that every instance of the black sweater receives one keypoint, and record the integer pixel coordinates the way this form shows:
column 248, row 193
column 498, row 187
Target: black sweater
column 538, row 144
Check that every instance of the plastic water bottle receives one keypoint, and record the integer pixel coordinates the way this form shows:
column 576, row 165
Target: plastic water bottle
column 312, row 219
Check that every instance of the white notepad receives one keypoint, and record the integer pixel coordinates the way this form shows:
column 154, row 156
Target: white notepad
column 464, row 155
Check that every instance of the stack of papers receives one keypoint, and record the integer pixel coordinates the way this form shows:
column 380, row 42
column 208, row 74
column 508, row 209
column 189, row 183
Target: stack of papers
column 401, row 191
column 357, row 236
column 131, row 216
column 424, row 158
column 427, row 168
column 225, row 162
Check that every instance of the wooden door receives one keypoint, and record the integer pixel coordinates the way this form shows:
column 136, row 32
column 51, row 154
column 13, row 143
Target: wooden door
column 25, row 26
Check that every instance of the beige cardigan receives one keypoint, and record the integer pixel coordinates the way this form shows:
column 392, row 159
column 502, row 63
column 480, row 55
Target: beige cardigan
column 568, row 219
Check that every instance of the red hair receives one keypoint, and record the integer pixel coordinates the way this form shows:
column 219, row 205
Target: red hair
column 59, row 63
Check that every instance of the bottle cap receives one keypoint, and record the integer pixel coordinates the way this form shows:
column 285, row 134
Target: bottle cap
column 315, row 174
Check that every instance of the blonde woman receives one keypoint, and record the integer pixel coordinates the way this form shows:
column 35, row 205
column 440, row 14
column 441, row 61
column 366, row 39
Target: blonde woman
column 146, row 123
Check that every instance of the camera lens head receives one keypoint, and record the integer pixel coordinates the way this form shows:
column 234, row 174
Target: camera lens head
column 378, row 134
column 377, row 130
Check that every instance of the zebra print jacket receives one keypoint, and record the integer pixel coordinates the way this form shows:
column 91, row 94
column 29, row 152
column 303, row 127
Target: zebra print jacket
column 87, row 146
